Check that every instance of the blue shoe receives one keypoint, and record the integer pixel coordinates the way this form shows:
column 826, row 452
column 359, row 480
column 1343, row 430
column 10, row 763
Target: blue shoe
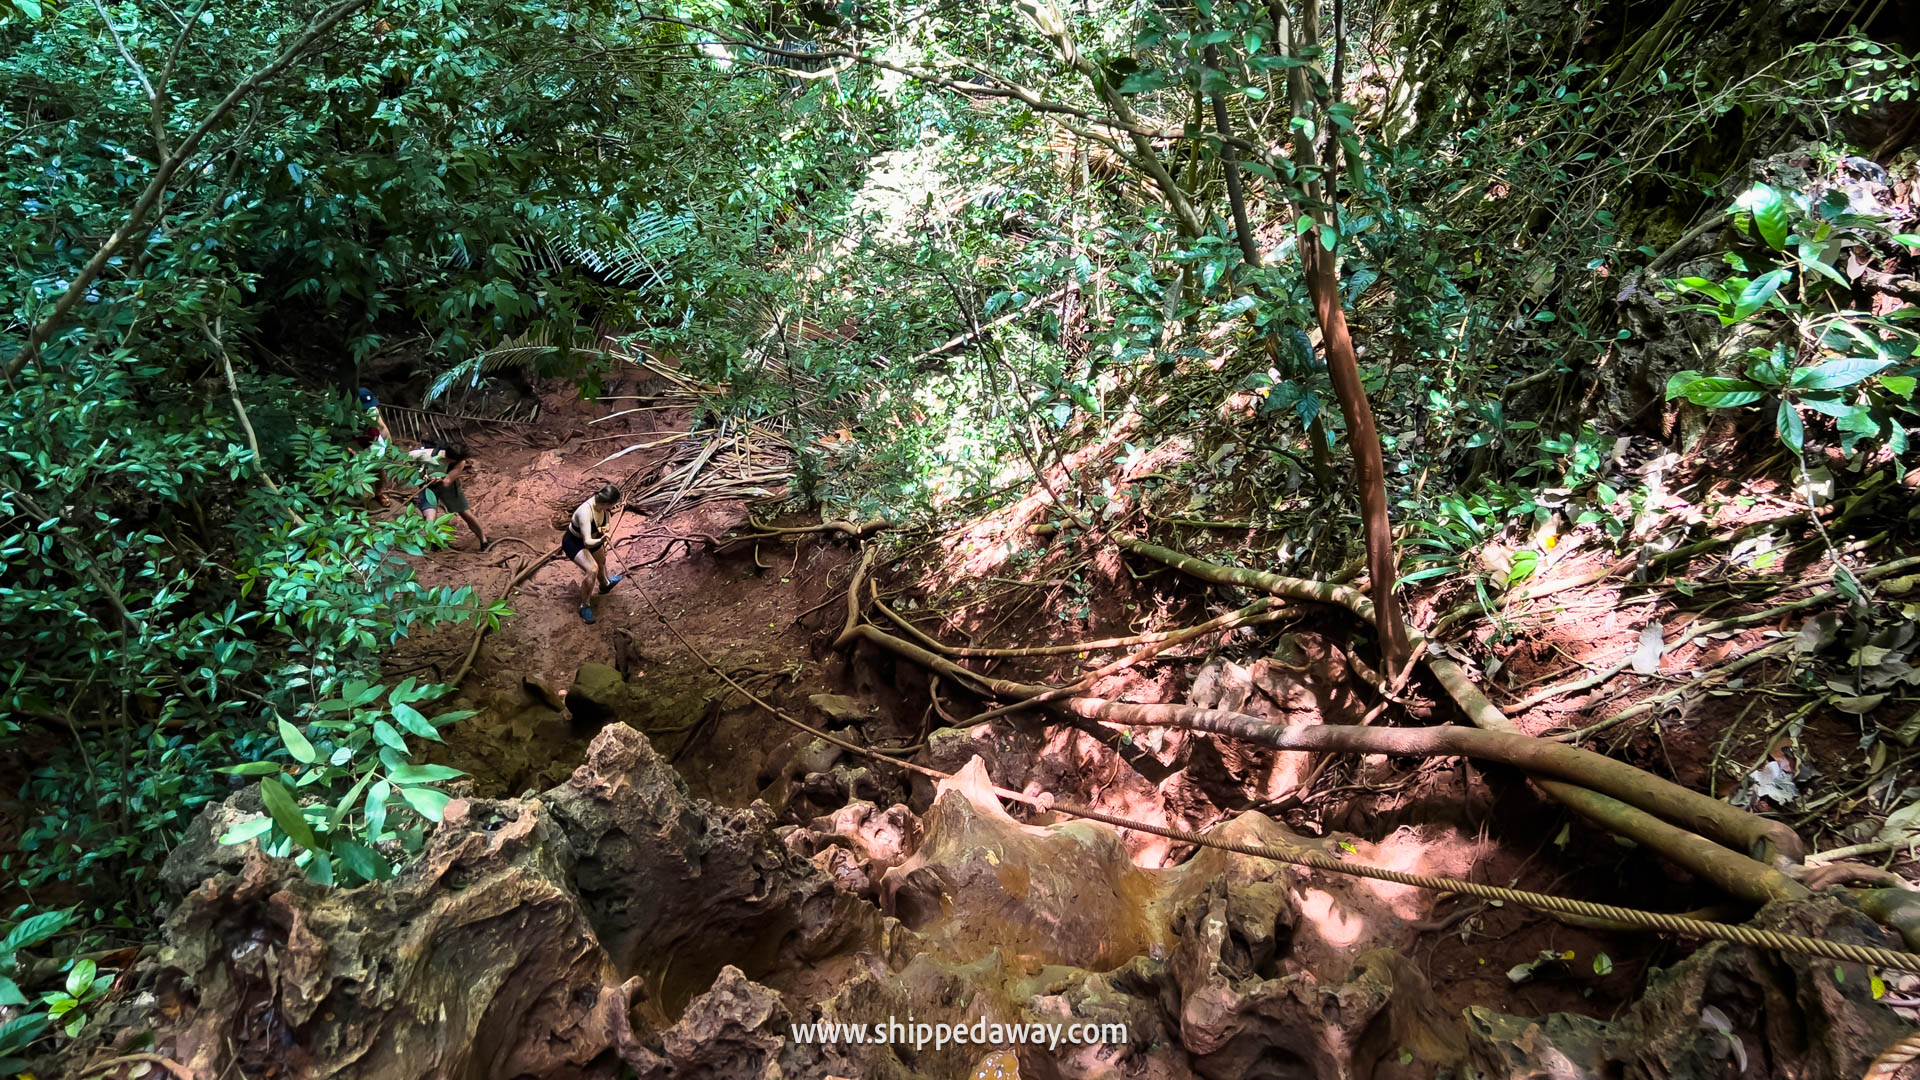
column 586, row 613
column 611, row 582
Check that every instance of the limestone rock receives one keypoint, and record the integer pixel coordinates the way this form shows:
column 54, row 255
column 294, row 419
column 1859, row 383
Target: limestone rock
column 598, row 696
column 839, row 709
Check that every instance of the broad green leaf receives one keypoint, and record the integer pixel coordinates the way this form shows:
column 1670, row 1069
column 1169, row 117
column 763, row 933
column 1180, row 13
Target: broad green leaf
column 385, row 734
column 251, row 768
column 1677, row 384
column 453, row 717
column 1770, row 217
column 286, row 813
column 296, row 744
column 1706, row 288
column 1912, row 240
column 377, row 797
column 1792, row 432
column 10, row 992
column 403, row 693
column 35, row 929
column 1899, row 385
column 422, row 774
column 17, row 1033
column 1837, row 374
column 363, row 860
column 430, row 804
column 320, row 867
column 1602, row 964
column 347, row 802
column 410, row 718
column 1757, row 292
column 80, row 978
column 246, row 830
column 1826, row 406
column 1716, row 392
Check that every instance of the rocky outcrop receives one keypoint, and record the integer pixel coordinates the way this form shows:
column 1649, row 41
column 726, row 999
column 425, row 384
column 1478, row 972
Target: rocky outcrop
column 614, row 923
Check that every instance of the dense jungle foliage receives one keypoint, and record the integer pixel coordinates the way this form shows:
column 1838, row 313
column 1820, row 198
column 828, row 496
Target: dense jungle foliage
column 224, row 211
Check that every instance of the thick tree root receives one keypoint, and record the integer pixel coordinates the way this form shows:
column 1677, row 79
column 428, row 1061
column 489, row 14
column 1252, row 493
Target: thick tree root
column 1772, row 842
column 1630, row 794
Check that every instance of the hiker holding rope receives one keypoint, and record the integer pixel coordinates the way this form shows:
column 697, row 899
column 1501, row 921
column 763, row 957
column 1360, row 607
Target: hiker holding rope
column 585, row 545
column 446, row 464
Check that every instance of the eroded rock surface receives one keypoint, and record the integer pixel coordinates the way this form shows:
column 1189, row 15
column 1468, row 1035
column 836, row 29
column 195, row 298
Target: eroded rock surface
column 614, row 923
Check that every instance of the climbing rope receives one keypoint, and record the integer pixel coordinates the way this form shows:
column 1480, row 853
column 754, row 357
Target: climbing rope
column 1645, row 920
column 1895, row 1058
column 1300, row 856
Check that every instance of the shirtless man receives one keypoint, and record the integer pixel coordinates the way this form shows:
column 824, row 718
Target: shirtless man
column 585, row 546
column 447, row 464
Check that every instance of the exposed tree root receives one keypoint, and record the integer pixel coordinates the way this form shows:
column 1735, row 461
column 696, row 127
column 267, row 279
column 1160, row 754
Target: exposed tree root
column 1630, row 793
column 480, row 632
column 1772, row 842
column 1633, row 804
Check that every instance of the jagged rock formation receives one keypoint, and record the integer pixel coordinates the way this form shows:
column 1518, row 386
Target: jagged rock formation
column 613, row 922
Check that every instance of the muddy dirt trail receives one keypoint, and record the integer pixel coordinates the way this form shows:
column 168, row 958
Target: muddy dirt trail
column 734, row 612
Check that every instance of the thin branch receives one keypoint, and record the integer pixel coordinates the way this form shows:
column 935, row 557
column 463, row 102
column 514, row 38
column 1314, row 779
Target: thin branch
column 169, row 165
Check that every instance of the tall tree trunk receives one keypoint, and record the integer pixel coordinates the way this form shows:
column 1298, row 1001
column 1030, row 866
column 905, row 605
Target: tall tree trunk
column 1370, row 472
column 1343, row 366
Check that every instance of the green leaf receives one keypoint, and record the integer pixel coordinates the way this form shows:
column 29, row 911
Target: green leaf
column 377, row 797
column 1677, row 384
column 428, row 803
column 1706, row 288
column 18, row 1033
column 410, row 718
column 80, row 978
column 297, row 744
column 388, row 737
column 246, row 830
column 346, row 804
column 251, row 768
column 1836, row 374
column 286, row 813
column 1715, row 392
column 10, row 992
column 1792, row 431
column 1602, row 964
column 320, row 867
column 1329, row 237
column 1898, row 385
column 1912, row 240
column 1758, row 291
column 363, row 860
column 1430, row 572
column 405, row 692
column 35, row 929
column 422, row 774
column 1770, row 217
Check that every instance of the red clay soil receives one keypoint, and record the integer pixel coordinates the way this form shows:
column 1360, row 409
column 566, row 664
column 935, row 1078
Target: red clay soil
column 744, row 619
